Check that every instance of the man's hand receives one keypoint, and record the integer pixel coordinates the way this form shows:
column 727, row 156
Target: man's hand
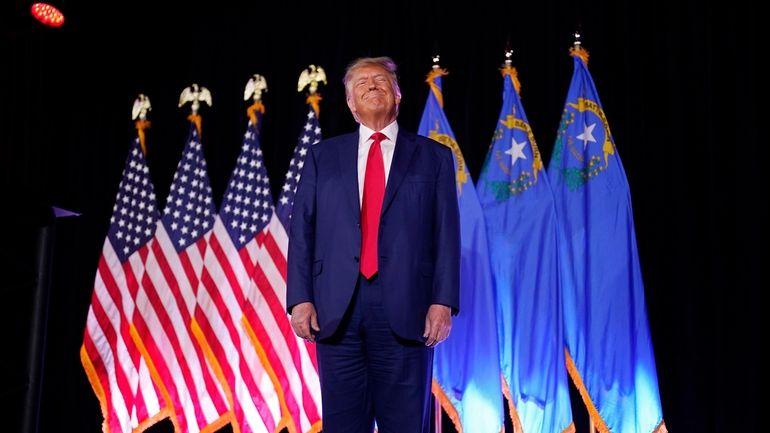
column 438, row 323
column 304, row 321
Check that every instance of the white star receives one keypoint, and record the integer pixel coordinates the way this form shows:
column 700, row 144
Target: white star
column 587, row 134
column 516, row 151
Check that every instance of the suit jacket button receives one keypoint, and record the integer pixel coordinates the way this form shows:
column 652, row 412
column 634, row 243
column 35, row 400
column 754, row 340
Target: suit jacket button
column 355, row 258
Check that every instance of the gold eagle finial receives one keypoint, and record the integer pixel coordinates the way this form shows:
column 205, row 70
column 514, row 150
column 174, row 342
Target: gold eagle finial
column 312, row 76
column 254, row 88
column 195, row 94
column 141, row 107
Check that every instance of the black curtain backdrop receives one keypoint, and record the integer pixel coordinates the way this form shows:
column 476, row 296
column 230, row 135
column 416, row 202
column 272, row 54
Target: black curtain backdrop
column 678, row 81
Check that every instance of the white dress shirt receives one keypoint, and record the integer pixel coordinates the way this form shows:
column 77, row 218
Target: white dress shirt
column 388, row 145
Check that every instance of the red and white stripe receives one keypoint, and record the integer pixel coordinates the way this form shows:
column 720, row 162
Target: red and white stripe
column 221, row 297
column 292, row 359
column 130, row 401
column 165, row 306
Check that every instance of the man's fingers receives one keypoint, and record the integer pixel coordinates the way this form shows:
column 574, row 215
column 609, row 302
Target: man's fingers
column 438, row 337
column 300, row 329
column 428, row 333
column 432, row 334
column 438, row 322
column 303, row 318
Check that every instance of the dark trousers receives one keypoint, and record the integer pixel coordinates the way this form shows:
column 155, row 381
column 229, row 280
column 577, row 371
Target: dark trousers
column 368, row 373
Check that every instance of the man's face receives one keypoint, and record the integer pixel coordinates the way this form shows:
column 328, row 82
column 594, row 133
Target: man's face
column 372, row 94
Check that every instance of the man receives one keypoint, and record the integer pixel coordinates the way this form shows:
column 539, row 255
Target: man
column 374, row 260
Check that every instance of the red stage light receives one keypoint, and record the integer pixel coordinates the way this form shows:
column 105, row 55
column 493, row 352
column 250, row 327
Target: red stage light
column 47, row 14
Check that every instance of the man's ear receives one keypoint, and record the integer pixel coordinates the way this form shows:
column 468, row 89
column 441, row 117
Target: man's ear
column 351, row 106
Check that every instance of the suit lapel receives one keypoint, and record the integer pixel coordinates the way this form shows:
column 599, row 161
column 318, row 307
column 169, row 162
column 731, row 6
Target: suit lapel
column 348, row 159
column 402, row 157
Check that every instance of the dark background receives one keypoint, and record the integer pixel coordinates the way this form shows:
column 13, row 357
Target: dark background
column 678, row 81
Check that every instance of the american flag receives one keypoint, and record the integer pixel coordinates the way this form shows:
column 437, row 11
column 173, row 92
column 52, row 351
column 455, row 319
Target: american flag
column 167, row 297
column 239, row 230
column 310, row 135
column 118, row 374
column 290, row 357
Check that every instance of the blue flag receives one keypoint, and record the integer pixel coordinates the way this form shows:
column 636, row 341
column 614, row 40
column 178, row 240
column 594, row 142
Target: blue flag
column 466, row 373
column 610, row 356
column 521, row 222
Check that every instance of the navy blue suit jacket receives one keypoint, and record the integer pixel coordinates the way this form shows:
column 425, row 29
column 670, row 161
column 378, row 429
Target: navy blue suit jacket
column 419, row 237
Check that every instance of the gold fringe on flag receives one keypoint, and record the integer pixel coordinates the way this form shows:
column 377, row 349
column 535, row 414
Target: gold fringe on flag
column 510, row 70
column 252, row 111
column 97, row 387
column 196, row 118
column 598, row 422
column 141, row 125
column 172, row 415
column 314, row 101
column 208, row 353
column 515, row 415
column 515, row 422
column 446, row 404
column 430, row 79
column 291, row 425
column 579, row 52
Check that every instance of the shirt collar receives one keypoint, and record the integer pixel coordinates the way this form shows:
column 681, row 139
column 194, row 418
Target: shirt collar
column 390, row 131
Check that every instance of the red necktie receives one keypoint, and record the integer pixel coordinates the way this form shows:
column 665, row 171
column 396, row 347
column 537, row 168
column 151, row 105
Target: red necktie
column 371, row 206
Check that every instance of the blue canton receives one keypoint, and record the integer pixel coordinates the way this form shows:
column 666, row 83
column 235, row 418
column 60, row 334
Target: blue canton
column 248, row 203
column 135, row 212
column 189, row 211
column 311, row 134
